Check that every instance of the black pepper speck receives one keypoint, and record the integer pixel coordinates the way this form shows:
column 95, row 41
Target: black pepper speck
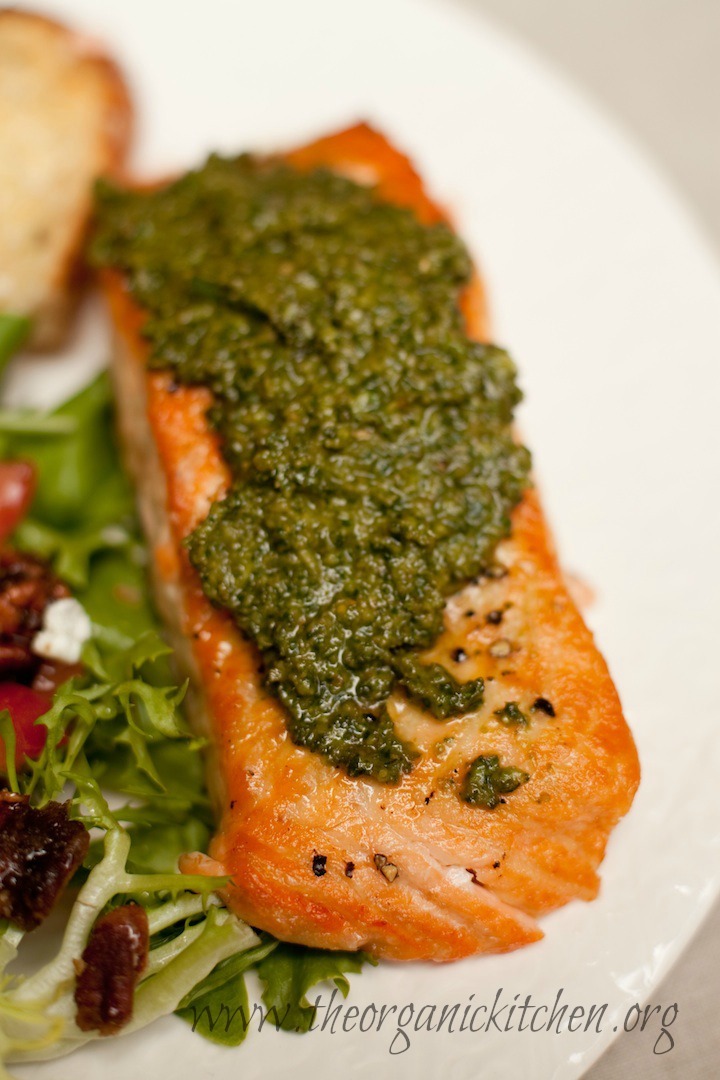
column 542, row 704
column 318, row 865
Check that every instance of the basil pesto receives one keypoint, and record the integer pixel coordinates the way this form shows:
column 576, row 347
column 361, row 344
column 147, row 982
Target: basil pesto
column 510, row 714
column 486, row 781
column 374, row 468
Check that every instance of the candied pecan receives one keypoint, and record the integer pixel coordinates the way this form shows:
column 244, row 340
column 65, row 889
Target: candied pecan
column 113, row 961
column 51, row 674
column 27, row 586
column 40, row 850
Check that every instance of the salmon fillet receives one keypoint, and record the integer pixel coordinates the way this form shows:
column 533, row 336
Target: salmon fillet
column 319, row 858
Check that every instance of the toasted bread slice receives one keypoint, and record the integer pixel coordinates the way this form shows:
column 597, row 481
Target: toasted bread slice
column 64, row 120
column 465, row 880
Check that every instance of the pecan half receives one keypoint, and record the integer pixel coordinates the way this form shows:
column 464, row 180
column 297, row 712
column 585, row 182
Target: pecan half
column 27, row 586
column 40, row 850
column 113, row 961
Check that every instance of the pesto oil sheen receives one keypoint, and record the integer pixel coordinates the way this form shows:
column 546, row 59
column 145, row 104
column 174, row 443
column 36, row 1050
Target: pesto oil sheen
column 369, row 440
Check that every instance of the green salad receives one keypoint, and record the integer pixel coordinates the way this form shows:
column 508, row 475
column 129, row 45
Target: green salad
column 117, row 768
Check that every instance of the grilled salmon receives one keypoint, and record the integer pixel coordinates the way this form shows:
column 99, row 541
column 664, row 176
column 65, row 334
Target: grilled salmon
column 317, row 857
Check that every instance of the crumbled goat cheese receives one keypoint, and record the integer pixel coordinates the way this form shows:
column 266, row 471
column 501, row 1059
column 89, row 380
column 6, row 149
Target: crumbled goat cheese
column 65, row 629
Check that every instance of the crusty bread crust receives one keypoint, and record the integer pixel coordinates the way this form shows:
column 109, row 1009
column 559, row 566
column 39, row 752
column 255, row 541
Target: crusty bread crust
column 65, row 119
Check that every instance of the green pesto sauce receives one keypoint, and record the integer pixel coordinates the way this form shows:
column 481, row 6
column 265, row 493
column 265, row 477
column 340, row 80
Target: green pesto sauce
column 369, row 440
column 511, row 714
column 486, row 781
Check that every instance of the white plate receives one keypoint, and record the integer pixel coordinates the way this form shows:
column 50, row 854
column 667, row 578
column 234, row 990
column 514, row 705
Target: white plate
column 608, row 298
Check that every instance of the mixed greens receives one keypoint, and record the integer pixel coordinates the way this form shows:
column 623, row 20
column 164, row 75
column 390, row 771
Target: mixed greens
column 118, row 748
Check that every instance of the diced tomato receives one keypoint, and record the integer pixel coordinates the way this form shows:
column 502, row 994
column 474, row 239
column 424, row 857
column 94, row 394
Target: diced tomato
column 17, row 488
column 25, row 706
